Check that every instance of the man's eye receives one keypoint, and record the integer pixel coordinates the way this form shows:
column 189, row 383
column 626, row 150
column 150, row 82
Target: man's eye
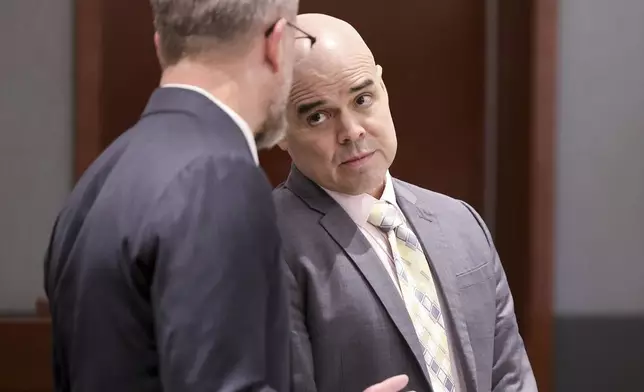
column 364, row 100
column 316, row 118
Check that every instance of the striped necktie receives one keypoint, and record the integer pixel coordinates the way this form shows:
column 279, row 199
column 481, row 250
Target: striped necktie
column 419, row 293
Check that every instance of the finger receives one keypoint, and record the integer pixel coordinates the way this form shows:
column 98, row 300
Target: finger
column 393, row 384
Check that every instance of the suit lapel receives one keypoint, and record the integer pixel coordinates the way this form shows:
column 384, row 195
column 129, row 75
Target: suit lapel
column 440, row 258
column 348, row 236
column 344, row 231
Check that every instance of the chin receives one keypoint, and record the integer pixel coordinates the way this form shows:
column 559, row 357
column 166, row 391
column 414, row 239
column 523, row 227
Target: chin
column 370, row 184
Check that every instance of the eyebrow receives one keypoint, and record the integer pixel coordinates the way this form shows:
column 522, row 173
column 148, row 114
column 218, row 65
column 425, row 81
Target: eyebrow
column 361, row 86
column 307, row 107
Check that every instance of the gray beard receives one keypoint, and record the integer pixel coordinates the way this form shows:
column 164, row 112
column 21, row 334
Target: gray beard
column 273, row 129
column 271, row 132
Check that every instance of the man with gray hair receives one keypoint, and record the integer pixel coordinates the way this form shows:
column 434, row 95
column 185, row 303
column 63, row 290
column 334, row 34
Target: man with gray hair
column 163, row 266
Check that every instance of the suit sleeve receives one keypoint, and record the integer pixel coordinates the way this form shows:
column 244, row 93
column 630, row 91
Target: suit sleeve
column 511, row 369
column 218, row 295
column 302, row 371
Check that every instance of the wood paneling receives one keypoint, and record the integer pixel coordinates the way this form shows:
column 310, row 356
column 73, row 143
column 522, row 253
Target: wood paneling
column 513, row 145
column 539, row 321
column 88, row 81
column 116, row 71
column 131, row 70
column 25, row 355
column 433, row 67
column 524, row 206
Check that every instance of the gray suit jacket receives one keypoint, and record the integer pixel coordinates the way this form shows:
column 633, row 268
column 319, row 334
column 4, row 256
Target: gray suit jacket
column 350, row 328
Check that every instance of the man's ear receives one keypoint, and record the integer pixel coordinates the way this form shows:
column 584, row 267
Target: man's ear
column 157, row 47
column 273, row 46
column 382, row 82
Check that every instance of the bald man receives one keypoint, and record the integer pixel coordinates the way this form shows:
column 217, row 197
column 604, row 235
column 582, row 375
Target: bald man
column 386, row 278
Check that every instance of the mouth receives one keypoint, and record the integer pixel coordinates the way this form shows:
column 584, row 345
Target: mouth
column 358, row 159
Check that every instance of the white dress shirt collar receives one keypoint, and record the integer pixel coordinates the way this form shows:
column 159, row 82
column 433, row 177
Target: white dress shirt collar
column 241, row 123
column 358, row 207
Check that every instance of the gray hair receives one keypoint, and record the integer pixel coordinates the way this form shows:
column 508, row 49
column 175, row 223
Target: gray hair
column 191, row 27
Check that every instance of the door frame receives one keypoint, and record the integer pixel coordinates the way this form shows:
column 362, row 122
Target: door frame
column 525, row 114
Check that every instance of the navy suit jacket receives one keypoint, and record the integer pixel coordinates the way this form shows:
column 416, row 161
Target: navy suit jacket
column 163, row 266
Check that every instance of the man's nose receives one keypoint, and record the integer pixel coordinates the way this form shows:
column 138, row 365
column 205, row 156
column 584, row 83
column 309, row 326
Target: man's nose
column 351, row 131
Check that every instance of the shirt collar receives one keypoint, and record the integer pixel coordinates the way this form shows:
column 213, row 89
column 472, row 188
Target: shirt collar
column 241, row 123
column 358, row 207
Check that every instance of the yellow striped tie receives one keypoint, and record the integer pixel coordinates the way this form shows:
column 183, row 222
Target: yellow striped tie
column 418, row 292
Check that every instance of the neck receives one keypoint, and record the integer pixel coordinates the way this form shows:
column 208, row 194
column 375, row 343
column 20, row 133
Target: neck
column 226, row 82
column 377, row 193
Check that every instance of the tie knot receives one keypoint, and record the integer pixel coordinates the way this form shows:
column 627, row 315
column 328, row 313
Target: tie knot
column 385, row 216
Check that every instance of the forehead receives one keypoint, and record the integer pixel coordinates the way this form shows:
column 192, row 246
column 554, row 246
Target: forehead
column 330, row 77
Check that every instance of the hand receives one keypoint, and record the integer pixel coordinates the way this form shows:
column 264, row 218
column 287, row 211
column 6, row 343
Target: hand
column 393, row 384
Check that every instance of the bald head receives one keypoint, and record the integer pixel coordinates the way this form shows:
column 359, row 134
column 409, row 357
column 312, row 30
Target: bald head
column 340, row 132
column 339, row 51
column 336, row 39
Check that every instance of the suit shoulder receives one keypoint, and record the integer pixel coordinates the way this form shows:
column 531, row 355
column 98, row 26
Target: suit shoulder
column 282, row 194
column 164, row 146
column 215, row 173
column 182, row 136
column 437, row 201
column 286, row 200
column 449, row 210
column 297, row 222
